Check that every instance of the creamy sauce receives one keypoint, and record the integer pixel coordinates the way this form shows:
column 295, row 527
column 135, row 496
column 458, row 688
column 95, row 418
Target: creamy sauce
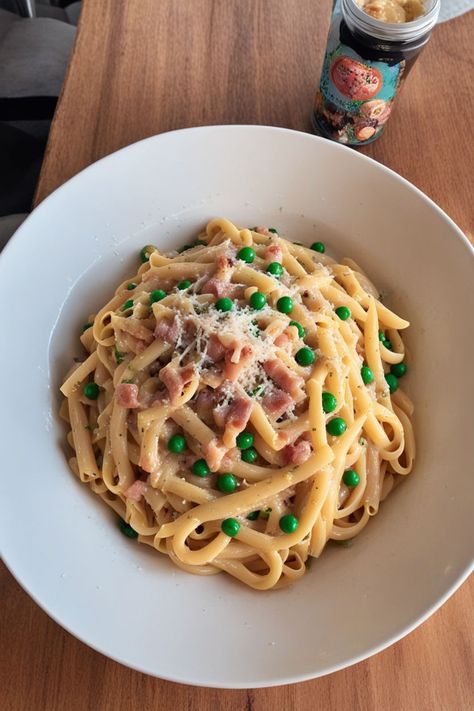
column 396, row 11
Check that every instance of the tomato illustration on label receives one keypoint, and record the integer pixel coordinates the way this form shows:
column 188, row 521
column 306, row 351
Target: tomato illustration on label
column 355, row 80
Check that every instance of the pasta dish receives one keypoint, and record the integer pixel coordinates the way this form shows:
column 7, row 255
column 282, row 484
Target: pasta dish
column 239, row 405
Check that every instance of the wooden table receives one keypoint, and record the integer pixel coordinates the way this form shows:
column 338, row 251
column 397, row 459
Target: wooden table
column 141, row 67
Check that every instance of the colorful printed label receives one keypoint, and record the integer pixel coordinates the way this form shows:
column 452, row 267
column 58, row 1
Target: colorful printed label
column 355, row 96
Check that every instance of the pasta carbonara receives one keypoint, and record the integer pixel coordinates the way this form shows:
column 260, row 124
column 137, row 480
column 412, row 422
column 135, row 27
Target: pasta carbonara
column 239, row 406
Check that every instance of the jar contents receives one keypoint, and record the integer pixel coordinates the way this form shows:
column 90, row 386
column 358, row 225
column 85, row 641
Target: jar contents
column 395, row 11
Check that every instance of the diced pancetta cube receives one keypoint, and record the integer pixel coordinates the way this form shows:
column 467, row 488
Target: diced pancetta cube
column 215, row 350
column 286, row 378
column 214, row 452
column 126, row 395
column 233, row 370
column 297, row 453
column 136, row 490
column 236, row 420
column 273, row 253
column 176, row 378
column 169, row 331
column 277, row 402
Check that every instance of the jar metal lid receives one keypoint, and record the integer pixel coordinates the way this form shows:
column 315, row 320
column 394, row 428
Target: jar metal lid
column 356, row 18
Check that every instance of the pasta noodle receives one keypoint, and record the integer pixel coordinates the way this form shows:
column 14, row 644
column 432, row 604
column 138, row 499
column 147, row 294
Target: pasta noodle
column 239, row 405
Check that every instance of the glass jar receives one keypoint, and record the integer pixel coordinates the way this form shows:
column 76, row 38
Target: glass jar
column 365, row 63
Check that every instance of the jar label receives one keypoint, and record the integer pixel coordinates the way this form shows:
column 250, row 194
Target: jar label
column 356, row 95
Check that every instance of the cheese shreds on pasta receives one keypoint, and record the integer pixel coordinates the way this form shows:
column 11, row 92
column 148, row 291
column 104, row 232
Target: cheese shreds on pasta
column 237, row 416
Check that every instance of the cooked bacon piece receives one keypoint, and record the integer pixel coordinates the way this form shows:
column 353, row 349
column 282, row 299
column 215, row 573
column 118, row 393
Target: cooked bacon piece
column 273, row 253
column 284, row 377
column 298, row 452
column 136, row 490
column 287, row 337
column 126, row 395
column 276, row 403
column 282, row 340
column 232, row 370
column 236, row 420
column 220, row 288
column 168, row 331
column 215, row 350
column 214, row 453
column 220, row 283
column 175, row 379
column 263, row 231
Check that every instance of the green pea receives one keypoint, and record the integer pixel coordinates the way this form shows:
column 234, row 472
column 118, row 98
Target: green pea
column 224, row 304
column 131, row 286
column 227, row 483
column 273, row 229
column 200, row 468
column 185, row 284
column 288, row 523
column 336, row 427
column 329, row 402
column 299, row 327
column 399, row 369
column 253, row 515
column 91, row 391
column 285, row 304
column 258, row 300
column 126, row 529
column 146, row 252
column 246, row 254
column 319, row 247
column 392, row 382
column 249, row 455
column 127, row 305
column 343, row 312
column 275, row 269
column 305, row 356
column 177, row 444
column 350, row 478
column 230, row 526
column 245, row 440
column 366, row 374
column 157, row 295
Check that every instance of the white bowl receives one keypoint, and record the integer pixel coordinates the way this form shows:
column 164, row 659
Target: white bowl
column 59, row 540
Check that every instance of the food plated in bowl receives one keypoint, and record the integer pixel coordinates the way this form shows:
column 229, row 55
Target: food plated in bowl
column 204, row 412
column 81, row 569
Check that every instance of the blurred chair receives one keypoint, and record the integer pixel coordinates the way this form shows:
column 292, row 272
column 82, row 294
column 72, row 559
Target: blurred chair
column 34, row 54
column 65, row 11
column 8, row 226
column 21, row 159
column 69, row 14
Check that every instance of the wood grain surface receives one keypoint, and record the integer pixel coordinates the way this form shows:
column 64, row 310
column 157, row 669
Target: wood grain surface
column 141, row 67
